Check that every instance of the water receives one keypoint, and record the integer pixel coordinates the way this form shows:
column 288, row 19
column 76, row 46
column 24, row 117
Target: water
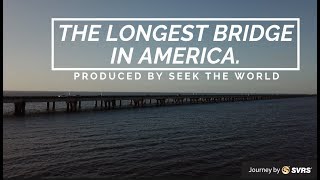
column 191, row 140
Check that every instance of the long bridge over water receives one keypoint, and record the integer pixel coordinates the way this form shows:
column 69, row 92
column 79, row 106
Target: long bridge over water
column 73, row 103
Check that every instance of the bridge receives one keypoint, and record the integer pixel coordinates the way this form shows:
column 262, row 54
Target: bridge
column 73, row 103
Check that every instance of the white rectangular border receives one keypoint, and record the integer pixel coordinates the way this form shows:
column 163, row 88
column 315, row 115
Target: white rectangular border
column 175, row 69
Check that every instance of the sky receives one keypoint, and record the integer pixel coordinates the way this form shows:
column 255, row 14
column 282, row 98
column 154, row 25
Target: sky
column 27, row 44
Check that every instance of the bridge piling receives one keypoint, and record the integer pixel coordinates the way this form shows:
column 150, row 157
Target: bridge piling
column 68, row 106
column 19, row 108
column 113, row 102
column 105, row 104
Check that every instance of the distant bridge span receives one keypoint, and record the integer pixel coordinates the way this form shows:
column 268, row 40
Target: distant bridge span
column 73, row 103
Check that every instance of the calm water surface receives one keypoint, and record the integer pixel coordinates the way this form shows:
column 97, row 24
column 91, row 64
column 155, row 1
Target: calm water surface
column 191, row 140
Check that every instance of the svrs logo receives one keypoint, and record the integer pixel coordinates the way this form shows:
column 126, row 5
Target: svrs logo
column 301, row 170
column 285, row 169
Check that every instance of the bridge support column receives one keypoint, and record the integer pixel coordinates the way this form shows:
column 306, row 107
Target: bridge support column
column 113, row 104
column 105, row 104
column 74, row 105
column 164, row 102
column 53, row 105
column 48, row 106
column 71, row 106
column 68, row 108
column 79, row 104
column 110, row 103
column 19, row 108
